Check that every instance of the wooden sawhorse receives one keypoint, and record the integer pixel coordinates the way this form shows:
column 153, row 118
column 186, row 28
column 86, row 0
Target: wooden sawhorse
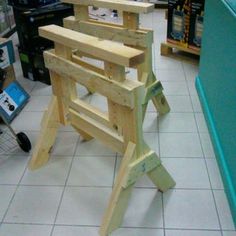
column 120, row 129
column 129, row 33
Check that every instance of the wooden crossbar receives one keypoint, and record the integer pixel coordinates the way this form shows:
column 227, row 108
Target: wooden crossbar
column 103, row 49
column 120, row 5
column 113, row 32
column 91, row 111
column 120, row 92
column 97, row 130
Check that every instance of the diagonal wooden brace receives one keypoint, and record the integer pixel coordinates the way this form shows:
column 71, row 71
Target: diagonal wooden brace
column 49, row 127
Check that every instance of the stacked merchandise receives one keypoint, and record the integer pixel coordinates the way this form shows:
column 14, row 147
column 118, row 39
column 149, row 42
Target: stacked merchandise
column 185, row 23
column 31, row 46
column 7, row 58
column 196, row 24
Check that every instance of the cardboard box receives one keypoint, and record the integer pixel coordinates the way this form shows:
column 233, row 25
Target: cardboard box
column 7, row 55
column 178, row 22
column 196, row 24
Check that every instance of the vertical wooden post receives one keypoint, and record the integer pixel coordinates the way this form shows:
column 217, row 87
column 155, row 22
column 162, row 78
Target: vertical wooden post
column 81, row 12
column 117, row 73
column 65, row 90
column 68, row 91
column 130, row 20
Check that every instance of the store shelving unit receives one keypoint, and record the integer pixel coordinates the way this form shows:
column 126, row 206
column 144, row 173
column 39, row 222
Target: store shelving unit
column 168, row 48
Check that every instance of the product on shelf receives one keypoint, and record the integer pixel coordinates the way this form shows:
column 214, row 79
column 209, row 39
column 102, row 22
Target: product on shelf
column 196, row 24
column 178, row 22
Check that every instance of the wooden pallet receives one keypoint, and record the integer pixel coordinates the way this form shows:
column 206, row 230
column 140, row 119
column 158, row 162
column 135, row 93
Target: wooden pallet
column 119, row 129
column 179, row 52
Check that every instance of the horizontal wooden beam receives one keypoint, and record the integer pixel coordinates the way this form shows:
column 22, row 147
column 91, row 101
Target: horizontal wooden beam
column 120, row 5
column 97, row 130
column 122, row 93
column 90, row 111
column 142, row 38
column 103, row 49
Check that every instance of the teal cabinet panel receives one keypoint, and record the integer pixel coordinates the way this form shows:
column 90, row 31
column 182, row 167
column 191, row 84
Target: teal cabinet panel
column 216, row 85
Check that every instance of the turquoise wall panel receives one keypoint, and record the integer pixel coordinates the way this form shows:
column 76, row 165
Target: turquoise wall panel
column 216, row 86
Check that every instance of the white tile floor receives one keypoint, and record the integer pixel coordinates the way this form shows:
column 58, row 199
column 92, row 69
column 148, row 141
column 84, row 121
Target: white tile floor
column 68, row 196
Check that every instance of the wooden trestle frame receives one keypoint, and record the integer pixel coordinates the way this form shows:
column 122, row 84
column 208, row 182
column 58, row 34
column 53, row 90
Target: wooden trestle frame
column 129, row 33
column 120, row 129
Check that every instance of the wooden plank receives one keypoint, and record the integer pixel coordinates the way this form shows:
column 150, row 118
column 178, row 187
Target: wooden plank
column 120, row 197
column 119, row 92
column 140, row 167
column 47, row 136
column 69, row 91
column 132, row 124
column 161, row 103
column 161, row 178
column 81, row 12
column 97, row 130
column 57, row 90
column 153, row 90
column 115, row 73
column 111, row 32
column 64, row 91
column 120, row 5
column 90, row 111
column 104, row 49
column 130, row 20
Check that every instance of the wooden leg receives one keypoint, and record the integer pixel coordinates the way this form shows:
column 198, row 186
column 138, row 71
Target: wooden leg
column 161, row 178
column 116, row 209
column 50, row 125
column 154, row 92
column 161, row 104
column 120, row 196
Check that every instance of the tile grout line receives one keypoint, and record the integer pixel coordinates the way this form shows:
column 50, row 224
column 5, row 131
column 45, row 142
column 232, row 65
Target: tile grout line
column 13, row 196
column 105, row 187
column 124, row 227
column 64, row 188
column 198, row 133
